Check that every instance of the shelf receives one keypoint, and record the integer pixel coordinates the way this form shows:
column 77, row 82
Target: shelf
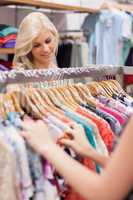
column 7, row 50
column 48, row 5
column 57, row 6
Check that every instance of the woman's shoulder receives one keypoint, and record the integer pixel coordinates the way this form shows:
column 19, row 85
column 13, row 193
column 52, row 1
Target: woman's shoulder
column 53, row 66
column 19, row 66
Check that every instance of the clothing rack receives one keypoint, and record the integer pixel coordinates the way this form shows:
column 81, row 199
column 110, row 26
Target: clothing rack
column 72, row 34
column 27, row 76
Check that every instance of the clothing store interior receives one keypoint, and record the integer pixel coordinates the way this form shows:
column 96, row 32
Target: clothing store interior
column 79, row 70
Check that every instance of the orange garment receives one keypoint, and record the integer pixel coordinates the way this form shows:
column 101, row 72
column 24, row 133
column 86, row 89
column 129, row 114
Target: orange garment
column 66, row 120
column 104, row 128
column 71, row 194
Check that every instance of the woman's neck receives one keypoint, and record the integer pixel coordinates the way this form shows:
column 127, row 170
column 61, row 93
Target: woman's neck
column 47, row 65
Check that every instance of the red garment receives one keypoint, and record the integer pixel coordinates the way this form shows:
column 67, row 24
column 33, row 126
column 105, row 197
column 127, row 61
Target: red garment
column 7, row 64
column 128, row 79
column 104, row 128
column 66, row 120
column 3, row 40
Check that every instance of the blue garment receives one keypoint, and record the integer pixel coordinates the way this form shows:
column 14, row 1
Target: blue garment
column 87, row 128
column 89, row 31
column 108, row 34
column 89, row 24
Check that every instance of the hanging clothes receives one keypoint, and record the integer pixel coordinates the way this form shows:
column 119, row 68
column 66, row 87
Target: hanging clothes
column 129, row 60
column 58, row 107
column 64, row 54
column 108, row 33
column 72, row 53
column 8, row 186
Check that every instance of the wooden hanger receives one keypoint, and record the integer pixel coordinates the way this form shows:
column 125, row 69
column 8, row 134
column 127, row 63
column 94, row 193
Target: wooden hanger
column 54, row 98
column 110, row 87
column 65, row 92
column 16, row 102
column 106, row 88
column 2, row 108
column 75, row 95
column 61, row 98
column 47, row 100
column 84, row 88
column 28, row 104
column 48, row 108
column 95, row 88
column 85, row 94
column 66, row 95
column 8, row 104
column 119, row 89
column 38, row 102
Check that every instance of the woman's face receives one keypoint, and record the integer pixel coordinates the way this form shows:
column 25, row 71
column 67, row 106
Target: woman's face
column 43, row 50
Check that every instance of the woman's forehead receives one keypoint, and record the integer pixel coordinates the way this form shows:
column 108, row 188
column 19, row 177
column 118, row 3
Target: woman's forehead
column 44, row 34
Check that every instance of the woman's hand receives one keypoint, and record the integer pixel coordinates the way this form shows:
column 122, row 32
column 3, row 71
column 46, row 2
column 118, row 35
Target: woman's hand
column 37, row 135
column 79, row 142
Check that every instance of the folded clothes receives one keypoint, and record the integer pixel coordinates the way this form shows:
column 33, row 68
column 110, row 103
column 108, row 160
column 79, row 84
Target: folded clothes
column 3, row 68
column 7, row 64
column 3, row 40
column 9, row 44
column 6, row 30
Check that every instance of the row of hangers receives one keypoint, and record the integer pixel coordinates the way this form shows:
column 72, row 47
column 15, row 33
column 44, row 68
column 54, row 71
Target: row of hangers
column 38, row 102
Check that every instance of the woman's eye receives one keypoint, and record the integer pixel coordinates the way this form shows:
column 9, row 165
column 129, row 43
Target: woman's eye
column 36, row 45
column 47, row 41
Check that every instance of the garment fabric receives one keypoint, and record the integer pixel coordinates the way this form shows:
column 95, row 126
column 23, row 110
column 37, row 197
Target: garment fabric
column 79, row 57
column 103, row 127
column 6, row 30
column 8, row 186
column 64, row 55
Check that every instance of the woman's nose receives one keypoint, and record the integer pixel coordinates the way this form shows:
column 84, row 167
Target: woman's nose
column 45, row 47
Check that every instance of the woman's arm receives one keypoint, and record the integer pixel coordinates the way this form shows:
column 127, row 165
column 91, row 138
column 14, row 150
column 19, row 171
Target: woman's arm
column 114, row 182
column 98, row 158
column 80, row 144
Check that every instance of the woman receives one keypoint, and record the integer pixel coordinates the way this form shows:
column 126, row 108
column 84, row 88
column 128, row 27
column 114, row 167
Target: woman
column 36, row 43
column 115, row 181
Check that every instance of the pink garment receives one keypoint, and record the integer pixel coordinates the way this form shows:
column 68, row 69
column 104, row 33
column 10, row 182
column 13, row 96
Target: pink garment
column 113, row 113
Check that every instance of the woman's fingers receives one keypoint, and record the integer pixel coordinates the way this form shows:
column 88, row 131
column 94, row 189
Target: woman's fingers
column 67, row 142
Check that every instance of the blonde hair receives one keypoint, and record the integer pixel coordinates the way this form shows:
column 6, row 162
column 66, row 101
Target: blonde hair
column 29, row 30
